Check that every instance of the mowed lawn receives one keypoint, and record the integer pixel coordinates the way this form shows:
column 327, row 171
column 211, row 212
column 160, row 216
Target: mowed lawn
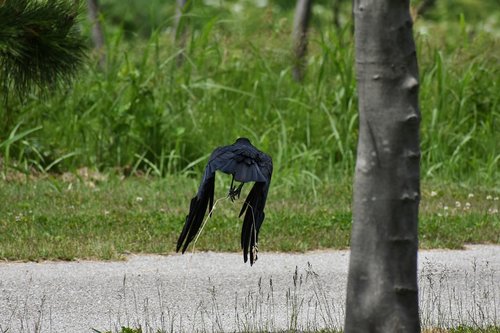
column 90, row 215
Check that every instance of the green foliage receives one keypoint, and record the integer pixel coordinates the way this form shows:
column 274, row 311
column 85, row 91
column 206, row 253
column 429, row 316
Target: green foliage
column 460, row 109
column 39, row 44
column 137, row 18
column 472, row 10
column 10, row 140
column 146, row 115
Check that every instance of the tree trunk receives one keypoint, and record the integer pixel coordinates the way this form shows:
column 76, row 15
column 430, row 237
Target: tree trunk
column 180, row 31
column 382, row 292
column 336, row 13
column 97, row 34
column 300, row 26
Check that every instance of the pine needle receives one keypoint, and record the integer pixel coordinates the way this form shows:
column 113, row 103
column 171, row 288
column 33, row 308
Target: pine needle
column 40, row 45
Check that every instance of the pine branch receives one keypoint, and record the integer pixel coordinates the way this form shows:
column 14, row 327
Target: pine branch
column 40, row 46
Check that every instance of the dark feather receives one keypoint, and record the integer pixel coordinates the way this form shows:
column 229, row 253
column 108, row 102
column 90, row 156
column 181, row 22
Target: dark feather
column 246, row 164
column 253, row 207
column 197, row 210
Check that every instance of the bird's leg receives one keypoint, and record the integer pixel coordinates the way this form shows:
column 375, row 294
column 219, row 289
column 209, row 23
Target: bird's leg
column 255, row 251
column 234, row 192
column 231, row 188
column 231, row 193
column 238, row 190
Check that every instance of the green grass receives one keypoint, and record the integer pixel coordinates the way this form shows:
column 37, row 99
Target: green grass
column 145, row 114
column 467, row 329
column 90, row 217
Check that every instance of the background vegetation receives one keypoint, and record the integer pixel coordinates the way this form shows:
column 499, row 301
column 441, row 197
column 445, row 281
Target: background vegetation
column 144, row 113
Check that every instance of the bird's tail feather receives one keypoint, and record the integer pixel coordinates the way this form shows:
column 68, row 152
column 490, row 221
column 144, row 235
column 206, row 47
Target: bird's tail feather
column 194, row 219
column 251, row 223
column 211, row 200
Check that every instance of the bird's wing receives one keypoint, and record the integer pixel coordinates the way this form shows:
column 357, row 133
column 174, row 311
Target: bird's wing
column 204, row 199
column 238, row 160
column 254, row 207
column 222, row 158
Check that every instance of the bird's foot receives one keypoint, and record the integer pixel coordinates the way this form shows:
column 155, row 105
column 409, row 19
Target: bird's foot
column 234, row 192
column 254, row 250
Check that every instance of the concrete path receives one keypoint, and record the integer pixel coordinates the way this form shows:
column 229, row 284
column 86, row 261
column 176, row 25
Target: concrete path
column 213, row 292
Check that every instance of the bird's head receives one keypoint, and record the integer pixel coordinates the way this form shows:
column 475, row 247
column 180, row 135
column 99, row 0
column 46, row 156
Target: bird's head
column 243, row 140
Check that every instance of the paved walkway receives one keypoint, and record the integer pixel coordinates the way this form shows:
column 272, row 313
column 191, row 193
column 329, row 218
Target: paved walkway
column 217, row 292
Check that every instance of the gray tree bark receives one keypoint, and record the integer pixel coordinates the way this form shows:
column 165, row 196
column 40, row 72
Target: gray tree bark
column 382, row 293
column 97, row 34
column 299, row 37
column 180, row 31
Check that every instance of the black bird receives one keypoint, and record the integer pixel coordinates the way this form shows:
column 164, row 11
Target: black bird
column 246, row 164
